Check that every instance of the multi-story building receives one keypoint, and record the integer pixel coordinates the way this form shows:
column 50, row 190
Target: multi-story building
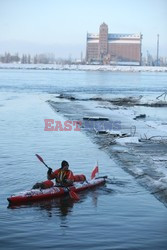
column 113, row 48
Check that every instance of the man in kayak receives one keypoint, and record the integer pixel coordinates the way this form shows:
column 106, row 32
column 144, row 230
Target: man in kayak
column 63, row 176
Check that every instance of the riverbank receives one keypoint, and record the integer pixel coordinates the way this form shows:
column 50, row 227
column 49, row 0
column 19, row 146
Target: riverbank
column 72, row 67
column 136, row 140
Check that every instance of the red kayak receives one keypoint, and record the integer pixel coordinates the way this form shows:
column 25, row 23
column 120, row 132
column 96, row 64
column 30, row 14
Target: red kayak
column 43, row 194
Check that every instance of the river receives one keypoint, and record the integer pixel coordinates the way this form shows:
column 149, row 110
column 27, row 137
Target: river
column 124, row 215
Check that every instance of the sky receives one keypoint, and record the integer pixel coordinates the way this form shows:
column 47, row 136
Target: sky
column 60, row 26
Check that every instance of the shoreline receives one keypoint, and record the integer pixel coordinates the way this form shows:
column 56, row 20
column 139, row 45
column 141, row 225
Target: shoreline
column 79, row 67
column 142, row 157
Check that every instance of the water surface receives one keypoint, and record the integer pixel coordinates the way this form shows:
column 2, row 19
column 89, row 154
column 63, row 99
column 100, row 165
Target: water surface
column 123, row 216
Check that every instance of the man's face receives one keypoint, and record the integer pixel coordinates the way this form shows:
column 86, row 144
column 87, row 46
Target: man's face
column 65, row 167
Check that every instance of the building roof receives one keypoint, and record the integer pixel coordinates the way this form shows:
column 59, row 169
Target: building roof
column 115, row 36
column 124, row 36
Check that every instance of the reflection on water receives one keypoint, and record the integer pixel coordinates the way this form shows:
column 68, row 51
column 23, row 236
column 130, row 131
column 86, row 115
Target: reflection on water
column 63, row 206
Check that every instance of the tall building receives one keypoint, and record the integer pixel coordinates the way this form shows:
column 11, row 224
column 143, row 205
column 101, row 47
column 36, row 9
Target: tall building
column 112, row 48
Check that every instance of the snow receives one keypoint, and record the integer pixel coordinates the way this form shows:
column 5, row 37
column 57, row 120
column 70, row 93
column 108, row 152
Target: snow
column 124, row 41
column 157, row 125
column 126, row 140
column 85, row 67
column 145, row 159
column 118, row 36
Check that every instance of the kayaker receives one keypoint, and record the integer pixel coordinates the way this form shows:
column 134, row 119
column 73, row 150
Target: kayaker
column 63, row 176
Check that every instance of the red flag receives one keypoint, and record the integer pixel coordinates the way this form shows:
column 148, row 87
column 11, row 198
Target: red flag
column 94, row 172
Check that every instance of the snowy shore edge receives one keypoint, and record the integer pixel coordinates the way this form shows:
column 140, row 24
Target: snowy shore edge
column 138, row 145
column 85, row 67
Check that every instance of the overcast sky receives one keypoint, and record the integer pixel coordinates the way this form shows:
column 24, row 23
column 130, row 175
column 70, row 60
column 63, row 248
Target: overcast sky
column 60, row 26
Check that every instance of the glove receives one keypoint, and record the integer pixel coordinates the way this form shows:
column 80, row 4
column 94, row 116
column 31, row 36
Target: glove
column 67, row 182
column 49, row 171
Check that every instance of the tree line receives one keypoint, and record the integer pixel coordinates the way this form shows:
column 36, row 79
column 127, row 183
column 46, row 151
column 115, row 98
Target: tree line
column 27, row 58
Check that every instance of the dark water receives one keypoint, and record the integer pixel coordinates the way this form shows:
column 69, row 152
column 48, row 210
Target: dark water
column 123, row 216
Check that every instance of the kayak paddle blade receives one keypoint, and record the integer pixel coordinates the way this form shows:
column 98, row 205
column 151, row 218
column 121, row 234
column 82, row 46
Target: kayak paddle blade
column 74, row 195
column 39, row 157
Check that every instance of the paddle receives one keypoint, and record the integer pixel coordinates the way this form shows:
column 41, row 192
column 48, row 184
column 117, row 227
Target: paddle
column 72, row 194
column 40, row 158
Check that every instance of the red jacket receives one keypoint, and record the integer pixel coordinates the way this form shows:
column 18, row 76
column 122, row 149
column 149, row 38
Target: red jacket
column 62, row 175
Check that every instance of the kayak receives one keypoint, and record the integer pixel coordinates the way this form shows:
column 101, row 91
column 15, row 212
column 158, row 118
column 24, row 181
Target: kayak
column 33, row 195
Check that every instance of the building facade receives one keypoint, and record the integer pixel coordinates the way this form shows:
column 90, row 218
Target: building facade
column 111, row 48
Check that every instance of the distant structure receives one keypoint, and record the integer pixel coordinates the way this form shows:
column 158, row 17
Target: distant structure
column 106, row 48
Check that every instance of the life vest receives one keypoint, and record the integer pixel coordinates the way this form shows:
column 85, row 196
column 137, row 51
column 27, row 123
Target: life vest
column 62, row 175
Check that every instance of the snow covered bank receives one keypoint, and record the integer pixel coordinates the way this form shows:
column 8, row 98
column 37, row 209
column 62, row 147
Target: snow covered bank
column 85, row 67
column 138, row 146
